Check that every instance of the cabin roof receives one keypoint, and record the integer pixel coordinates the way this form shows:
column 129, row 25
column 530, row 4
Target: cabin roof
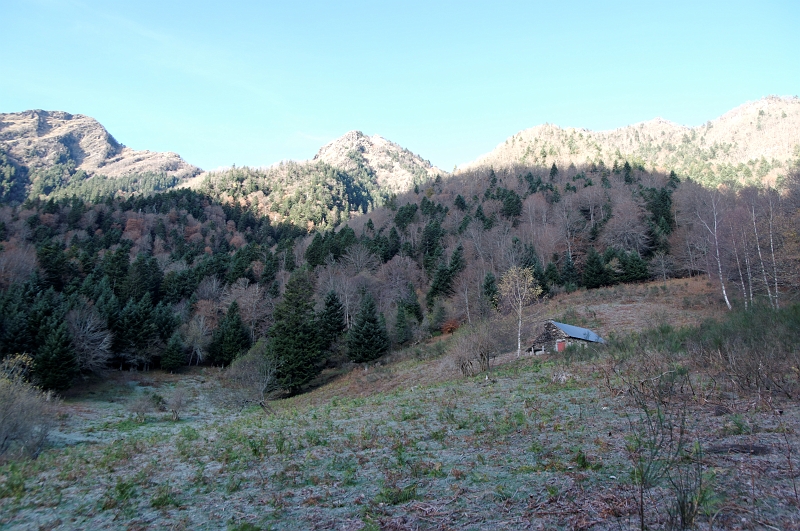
column 579, row 333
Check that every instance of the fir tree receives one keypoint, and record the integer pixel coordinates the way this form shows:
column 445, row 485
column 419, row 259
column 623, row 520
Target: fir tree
column 442, row 285
column 634, row 268
column 174, row 357
column 331, row 320
column 230, row 338
column 410, row 303
column 595, row 274
column 569, row 274
column 55, row 365
column 14, row 336
column 627, row 173
column 144, row 276
column 54, row 265
column 553, row 172
column 393, row 245
column 402, row 328
column 436, row 318
column 490, row 290
column 551, row 274
column 133, row 326
column 367, row 339
column 294, row 341
column 318, row 250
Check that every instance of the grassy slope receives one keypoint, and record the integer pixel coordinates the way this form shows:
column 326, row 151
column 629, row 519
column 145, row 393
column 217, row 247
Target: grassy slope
column 539, row 443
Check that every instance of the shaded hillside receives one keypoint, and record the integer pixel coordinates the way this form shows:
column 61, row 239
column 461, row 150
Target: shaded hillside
column 754, row 143
column 52, row 152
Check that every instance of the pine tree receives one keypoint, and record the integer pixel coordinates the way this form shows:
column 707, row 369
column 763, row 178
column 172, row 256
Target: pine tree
column 294, row 341
column 551, row 274
column 410, row 303
column 133, row 326
column 634, row 268
column 627, row 173
column 174, row 356
column 14, row 335
column 595, row 274
column 569, row 275
column 402, row 328
column 367, row 339
column 230, row 338
column 442, row 285
column 490, row 290
column 144, row 276
column 55, row 365
column 331, row 320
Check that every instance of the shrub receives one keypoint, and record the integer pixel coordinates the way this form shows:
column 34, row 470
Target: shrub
column 25, row 411
column 450, row 326
column 471, row 349
column 250, row 378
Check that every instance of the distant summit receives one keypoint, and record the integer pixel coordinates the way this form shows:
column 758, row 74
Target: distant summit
column 395, row 167
column 59, row 148
column 753, row 143
column 42, row 138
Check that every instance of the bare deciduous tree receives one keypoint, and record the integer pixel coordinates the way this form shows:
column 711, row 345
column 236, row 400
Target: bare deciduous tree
column 709, row 212
column 16, row 263
column 626, row 229
column 210, row 288
column 198, row 337
column 358, row 258
column 176, row 402
column 90, row 338
column 250, row 379
column 252, row 302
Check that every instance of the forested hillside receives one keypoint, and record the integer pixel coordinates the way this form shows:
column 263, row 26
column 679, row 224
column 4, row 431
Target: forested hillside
column 188, row 277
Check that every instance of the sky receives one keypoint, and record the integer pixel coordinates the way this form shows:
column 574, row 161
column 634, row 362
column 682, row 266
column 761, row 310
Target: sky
column 253, row 83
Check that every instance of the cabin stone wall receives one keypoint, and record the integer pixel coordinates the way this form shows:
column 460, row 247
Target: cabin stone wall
column 548, row 340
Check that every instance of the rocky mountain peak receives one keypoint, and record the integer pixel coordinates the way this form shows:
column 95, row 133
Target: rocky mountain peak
column 394, row 167
column 40, row 139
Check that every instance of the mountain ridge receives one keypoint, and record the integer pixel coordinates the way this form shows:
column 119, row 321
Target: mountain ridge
column 752, row 143
column 38, row 138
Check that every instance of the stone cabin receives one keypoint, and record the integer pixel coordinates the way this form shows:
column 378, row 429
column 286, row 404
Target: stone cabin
column 558, row 336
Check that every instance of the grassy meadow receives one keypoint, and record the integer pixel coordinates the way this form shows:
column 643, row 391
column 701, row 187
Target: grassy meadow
column 673, row 424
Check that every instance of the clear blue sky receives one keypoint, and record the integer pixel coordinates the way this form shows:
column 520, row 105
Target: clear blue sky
column 252, row 83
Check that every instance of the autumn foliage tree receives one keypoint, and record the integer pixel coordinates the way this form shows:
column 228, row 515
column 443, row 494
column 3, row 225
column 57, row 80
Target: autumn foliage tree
column 518, row 288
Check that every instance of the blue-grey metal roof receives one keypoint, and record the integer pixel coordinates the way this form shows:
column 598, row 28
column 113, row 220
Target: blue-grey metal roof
column 579, row 333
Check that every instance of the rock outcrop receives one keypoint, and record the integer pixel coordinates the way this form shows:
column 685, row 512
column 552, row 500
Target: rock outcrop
column 39, row 139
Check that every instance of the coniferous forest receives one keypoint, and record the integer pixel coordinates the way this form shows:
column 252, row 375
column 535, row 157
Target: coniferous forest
column 331, row 273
